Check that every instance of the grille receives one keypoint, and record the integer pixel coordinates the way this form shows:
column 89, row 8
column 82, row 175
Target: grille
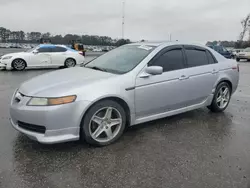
column 31, row 127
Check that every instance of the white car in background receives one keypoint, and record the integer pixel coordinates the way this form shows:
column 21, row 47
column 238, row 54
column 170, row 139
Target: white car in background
column 97, row 50
column 245, row 54
column 44, row 55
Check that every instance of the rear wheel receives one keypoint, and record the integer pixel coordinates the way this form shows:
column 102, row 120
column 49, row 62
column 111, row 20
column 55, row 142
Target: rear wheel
column 18, row 64
column 104, row 123
column 70, row 63
column 221, row 98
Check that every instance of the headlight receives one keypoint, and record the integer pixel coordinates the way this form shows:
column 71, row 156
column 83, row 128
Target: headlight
column 39, row 101
column 7, row 57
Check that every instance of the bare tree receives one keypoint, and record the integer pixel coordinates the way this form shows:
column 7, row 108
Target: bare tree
column 245, row 25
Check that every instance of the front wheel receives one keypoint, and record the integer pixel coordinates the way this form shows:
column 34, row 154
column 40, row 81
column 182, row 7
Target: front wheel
column 221, row 98
column 70, row 63
column 103, row 123
column 237, row 59
column 18, row 64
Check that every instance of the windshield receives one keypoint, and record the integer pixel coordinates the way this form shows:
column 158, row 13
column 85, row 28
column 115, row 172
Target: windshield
column 121, row 60
column 31, row 50
column 247, row 50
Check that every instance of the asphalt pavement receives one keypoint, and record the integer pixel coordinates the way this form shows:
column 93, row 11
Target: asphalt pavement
column 197, row 149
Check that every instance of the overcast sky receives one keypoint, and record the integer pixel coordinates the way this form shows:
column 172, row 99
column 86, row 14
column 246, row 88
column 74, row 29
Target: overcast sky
column 189, row 20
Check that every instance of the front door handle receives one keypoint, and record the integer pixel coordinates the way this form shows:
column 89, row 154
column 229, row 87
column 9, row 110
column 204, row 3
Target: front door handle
column 215, row 71
column 183, row 77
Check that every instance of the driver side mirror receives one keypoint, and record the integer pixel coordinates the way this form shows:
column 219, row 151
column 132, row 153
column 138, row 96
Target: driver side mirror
column 35, row 52
column 152, row 70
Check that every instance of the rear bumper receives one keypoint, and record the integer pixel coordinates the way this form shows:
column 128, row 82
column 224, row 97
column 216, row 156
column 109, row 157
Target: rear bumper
column 243, row 57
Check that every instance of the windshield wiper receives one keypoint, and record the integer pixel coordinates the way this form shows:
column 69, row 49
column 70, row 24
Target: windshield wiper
column 98, row 68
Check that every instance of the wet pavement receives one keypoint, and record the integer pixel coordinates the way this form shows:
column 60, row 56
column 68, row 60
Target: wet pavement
column 197, row 149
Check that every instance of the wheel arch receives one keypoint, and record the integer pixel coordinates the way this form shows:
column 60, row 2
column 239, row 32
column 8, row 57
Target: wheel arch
column 69, row 58
column 227, row 81
column 17, row 59
column 119, row 100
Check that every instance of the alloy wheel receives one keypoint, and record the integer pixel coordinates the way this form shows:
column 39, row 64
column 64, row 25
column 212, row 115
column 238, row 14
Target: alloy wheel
column 19, row 64
column 105, row 124
column 223, row 97
column 70, row 63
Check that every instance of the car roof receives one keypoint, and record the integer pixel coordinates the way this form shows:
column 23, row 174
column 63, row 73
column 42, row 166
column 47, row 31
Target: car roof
column 168, row 43
column 51, row 46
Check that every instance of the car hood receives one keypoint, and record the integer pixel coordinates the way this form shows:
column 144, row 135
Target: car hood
column 13, row 54
column 62, row 82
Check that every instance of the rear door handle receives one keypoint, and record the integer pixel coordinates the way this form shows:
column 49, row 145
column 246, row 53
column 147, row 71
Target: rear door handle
column 215, row 71
column 183, row 77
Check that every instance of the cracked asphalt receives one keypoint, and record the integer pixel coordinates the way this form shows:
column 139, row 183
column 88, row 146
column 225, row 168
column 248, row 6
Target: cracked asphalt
column 197, row 149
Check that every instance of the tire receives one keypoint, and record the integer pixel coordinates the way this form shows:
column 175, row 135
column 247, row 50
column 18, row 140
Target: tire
column 248, row 60
column 95, row 127
column 237, row 59
column 19, row 64
column 221, row 98
column 70, row 62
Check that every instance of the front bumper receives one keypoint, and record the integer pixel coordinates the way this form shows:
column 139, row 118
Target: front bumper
column 2, row 66
column 5, row 64
column 62, row 122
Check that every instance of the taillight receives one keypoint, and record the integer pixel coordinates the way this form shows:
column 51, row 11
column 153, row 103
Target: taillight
column 81, row 53
column 236, row 68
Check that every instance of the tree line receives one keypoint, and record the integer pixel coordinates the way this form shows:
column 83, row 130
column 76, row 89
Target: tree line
column 7, row 35
column 232, row 44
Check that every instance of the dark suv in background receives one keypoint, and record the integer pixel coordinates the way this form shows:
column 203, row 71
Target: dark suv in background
column 221, row 50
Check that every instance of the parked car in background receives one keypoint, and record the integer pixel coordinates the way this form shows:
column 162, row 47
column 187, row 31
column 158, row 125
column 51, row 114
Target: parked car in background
column 221, row 50
column 97, row 50
column 47, row 55
column 235, row 52
column 245, row 54
column 129, row 85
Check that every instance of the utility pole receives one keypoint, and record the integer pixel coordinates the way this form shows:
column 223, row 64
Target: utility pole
column 123, row 18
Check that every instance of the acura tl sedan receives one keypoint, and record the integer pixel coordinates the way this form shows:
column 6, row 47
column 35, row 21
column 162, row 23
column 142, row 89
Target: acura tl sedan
column 132, row 84
column 44, row 55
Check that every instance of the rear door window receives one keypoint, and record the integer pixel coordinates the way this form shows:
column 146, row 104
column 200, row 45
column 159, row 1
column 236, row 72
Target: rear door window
column 44, row 50
column 196, row 57
column 211, row 59
column 59, row 49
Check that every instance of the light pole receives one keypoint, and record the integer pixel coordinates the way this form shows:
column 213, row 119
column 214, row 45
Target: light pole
column 123, row 18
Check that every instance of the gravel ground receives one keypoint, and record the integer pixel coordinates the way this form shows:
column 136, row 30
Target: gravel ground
column 197, row 149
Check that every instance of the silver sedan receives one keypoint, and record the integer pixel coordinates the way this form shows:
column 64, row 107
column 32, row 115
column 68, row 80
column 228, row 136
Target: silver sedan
column 132, row 84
